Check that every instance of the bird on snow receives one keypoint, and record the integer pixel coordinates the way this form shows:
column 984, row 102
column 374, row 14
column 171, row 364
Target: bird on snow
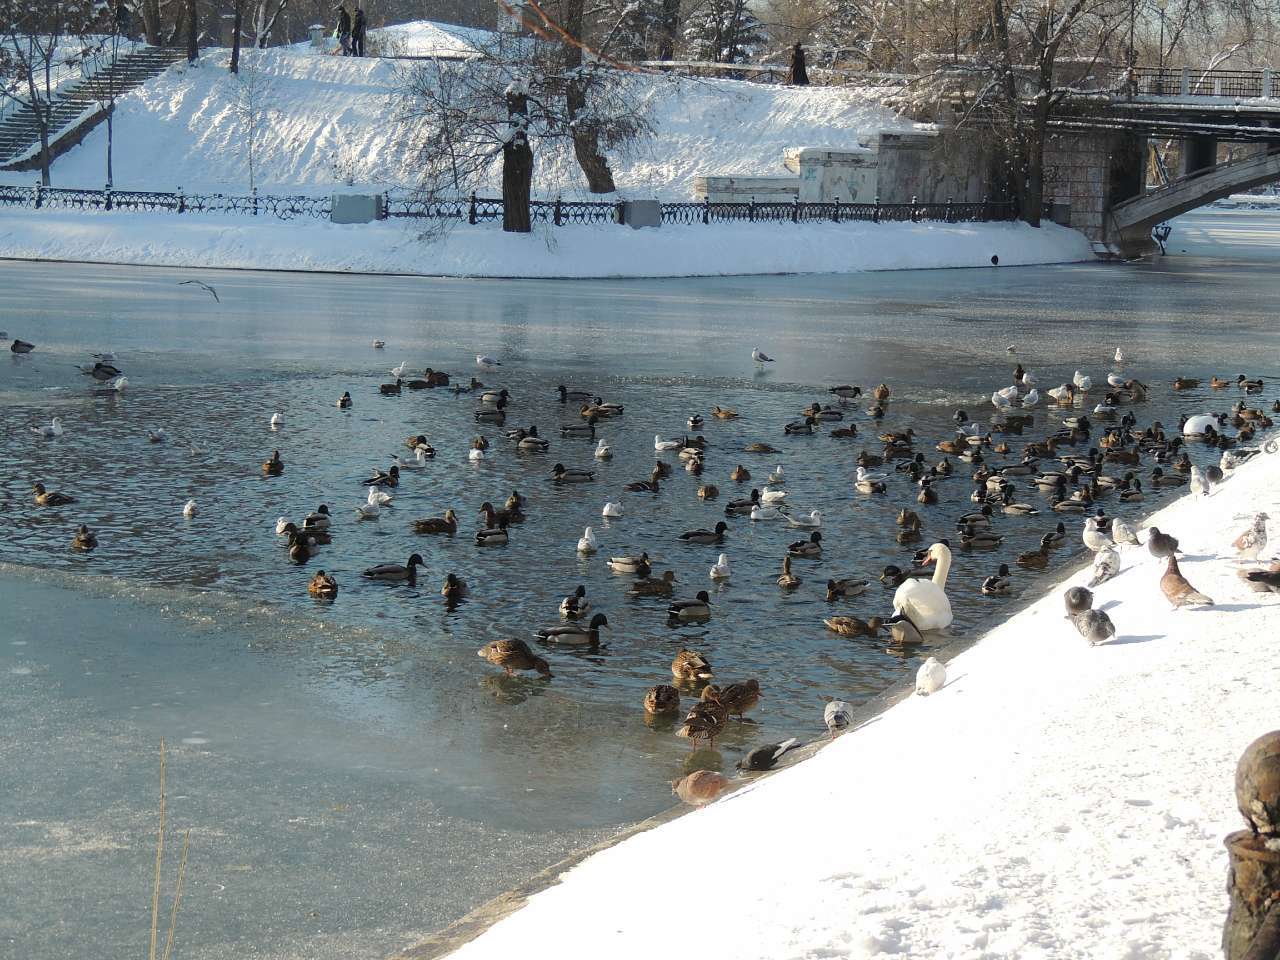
column 766, row 757
column 1253, row 541
column 1078, row 600
column 931, row 677
column 203, row 286
column 837, row 715
column 1106, row 564
column 1176, row 588
column 760, row 358
column 1094, row 625
column 1093, row 536
column 1160, row 544
column 1123, row 534
column 1200, row 484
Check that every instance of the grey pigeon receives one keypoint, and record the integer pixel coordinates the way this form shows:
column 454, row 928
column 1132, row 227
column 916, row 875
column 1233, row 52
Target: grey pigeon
column 1253, row 541
column 1078, row 600
column 766, row 757
column 1095, row 626
column 1106, row 564
column 1160, row 544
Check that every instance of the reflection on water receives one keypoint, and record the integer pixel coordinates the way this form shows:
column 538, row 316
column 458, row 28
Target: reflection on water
column 394, row 662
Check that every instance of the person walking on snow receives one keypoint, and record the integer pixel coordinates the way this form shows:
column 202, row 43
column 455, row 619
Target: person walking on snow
column 357, row 33
column 343, row 30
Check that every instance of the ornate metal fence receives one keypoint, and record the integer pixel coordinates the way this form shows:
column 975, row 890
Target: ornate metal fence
column 475, row 209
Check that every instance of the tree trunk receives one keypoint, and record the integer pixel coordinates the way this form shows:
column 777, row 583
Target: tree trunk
column 236, row 25
column 586, row 140
column 193, row 32
column 798, row 74
column 1033, row 203
column 151, row 21
column 517, row 168
column 670, row 29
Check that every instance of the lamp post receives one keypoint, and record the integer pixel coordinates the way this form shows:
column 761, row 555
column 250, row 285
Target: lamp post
column 1162, row 4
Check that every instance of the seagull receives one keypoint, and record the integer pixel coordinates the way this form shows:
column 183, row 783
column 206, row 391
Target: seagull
column 379, row 498
column 202, row 285
column 1115, row 380
column 401, row 370
column 281, row 523
column 1199, row 482
column 587, row 543
column 720, row 569
column 1011, row 349
column 1119, row 355
column 761, row 358
column 115, row 386
column 50, row 430
column 1123, row 534
column 189, row 508
column 486, row 363
column 612, row 509
column 1032, row 398
column 276, row 420
column 367, row 511
column 930, row 677
column 1094, row 537
column 602, row 450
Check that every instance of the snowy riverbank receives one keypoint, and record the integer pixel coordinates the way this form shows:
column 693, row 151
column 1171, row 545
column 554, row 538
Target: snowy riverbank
column 1053, row 800
column 485, row 251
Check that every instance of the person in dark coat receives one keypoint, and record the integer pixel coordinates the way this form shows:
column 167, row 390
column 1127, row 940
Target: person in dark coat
column 798, row 75
column 122, row 19
column 357, row 33
column 343, row 30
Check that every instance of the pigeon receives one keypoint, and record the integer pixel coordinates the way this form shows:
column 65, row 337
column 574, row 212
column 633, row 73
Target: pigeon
column 1094, row 625
column 1253, row 541
column 700, row 787
column 1213, row 474
column 838, row 716
column 759, row 357
column 1160, row 544
column 1094, row 537
column 1200, row 484
column 766, row 757
column 1178, row 590
column 930, row 678
column 1106, row 564
column 1123, row 534
column 1078, row 600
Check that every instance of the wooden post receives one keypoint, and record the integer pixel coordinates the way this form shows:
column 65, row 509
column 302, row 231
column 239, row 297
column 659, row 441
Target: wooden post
column 1252, row 931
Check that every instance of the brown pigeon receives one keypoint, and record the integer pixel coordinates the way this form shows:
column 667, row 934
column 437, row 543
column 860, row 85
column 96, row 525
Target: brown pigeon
column 699, row 787
column 1253, row 541
column 1178, row 590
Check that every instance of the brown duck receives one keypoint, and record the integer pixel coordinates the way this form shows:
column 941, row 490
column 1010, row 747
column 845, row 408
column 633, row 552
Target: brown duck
column 512, row 655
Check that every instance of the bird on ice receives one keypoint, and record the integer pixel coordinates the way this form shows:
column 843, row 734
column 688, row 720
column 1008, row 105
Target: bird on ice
column 1177, row 590
column 50, row 430
column 1106, row 564
column 379, row 344
column 1253, row 541
column 1123, row 534
column 931, row 677
column 760, row 358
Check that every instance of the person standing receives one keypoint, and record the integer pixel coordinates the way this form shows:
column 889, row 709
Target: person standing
column 343, row 30
column 122, row 20
column 357, row 32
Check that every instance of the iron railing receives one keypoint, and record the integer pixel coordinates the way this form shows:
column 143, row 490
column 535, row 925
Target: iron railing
column 1189, row 82
column 476, row 209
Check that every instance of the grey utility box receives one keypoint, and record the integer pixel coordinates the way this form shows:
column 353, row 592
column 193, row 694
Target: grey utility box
column 355, row 207
column 642, row 213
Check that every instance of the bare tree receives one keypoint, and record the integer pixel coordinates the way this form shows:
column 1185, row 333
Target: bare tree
column 253, row 109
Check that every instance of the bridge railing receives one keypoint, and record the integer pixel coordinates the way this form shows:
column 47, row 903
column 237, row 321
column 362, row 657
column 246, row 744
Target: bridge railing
column 1188, row 82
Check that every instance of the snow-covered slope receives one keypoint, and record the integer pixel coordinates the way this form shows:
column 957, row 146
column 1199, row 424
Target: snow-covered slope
column 329, row 113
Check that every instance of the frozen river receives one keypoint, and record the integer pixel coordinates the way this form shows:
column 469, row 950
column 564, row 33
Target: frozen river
column 354, row 777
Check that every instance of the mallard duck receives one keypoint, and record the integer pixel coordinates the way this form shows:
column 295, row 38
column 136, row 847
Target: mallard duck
column 881, row 392
column 577, row 396
column 787, row 580
column 908, row 518
column 806, row 548
column 49, row 498
column 724, row 413
column 662, row 470
column 323, row 586
column 759, row 447
column 311, row 536
column 1161, row 479
column 1010, row 506
column 513, row 655
column 652, row 485
column 448, row 524
column 800, row 427
column 420, row 447
column 560, row 474
column 845, row 587
column 653, row 586
column 344, row 401
column 630, row 564
column 998, row 584
column 705, row 536
column 480, row 443
column 846, row 391
column 394, row 573
column 586, row 429
column 1246, row 384
column 689, row 665
column 275, row 466
column 695, row 422
column 1034, row 559
column 576, row 604
column 979, row 538
column 854, row 627
column 740, row 474
column 738, row 508
column 573, row 634
column 699, row 608
column 927, row 494
column 661, row 698
column 492, row 537
column 391, row 389
column 1132, row 491
column 708, row 491
column 318, row 519
column 532, row 443
column 85, row 539
column 299, row 547
column 705, row 720
column 1218, row 383
column 903, row 632
column 1055, row 536
column 384, row 478
column 845, row 432
column 737, row 698
column 453, row 588
column 601, row 409
column 500, row 518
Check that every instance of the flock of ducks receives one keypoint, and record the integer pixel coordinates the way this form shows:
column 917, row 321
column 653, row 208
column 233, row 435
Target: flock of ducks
column 1088, row 458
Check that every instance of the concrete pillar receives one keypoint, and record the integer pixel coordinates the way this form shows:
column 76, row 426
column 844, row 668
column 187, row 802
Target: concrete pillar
column 1198, row 153
column 1266, row 83
column 1186, row 82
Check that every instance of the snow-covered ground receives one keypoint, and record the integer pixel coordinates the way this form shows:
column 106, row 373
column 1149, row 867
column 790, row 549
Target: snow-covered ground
column 1052, row 800
column 330, row 115
column 427, row 38
column 485, row 251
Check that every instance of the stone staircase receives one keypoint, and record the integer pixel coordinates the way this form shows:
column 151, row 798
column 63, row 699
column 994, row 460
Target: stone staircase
column 79, row 106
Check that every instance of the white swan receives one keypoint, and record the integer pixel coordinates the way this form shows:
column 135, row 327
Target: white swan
column 1195, row 426
column 587, row 543
column 931, row 677
column 276, row 420
column 813, row 520
column 602, row 451
column 612, row 509
column 924, row 602
column 379, row 498
column 660, row 444
column 189, row 509
column 720, row 569
column 1032, row 398
column 1083, row 383
column 53, row 429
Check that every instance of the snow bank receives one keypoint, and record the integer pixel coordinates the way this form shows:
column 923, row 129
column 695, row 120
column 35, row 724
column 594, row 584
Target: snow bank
column 426, row 38
column 485, row 251
column 1053, row 800
column 330, row 116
